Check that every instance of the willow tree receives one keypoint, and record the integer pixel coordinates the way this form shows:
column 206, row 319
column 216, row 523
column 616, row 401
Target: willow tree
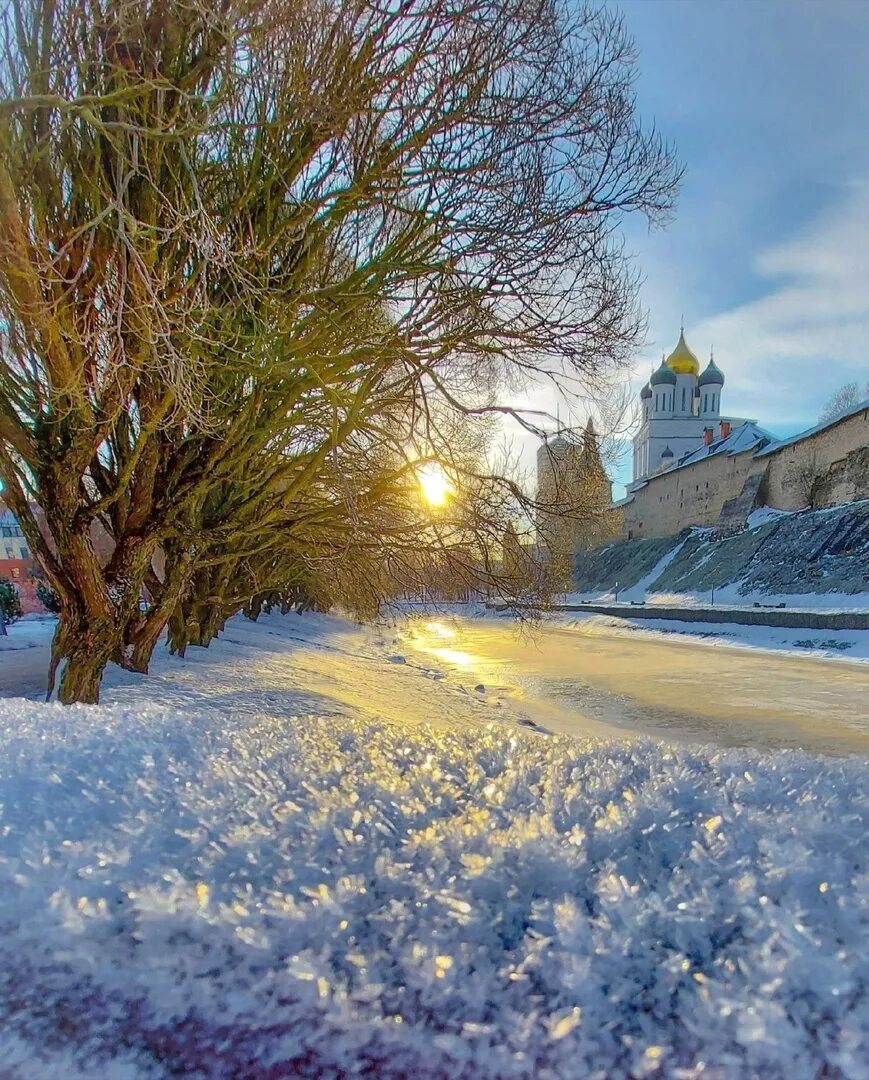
column 360, row 534
column 201, row 205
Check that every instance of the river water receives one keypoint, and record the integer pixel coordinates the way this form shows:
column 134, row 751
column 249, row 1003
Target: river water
column 590, row 681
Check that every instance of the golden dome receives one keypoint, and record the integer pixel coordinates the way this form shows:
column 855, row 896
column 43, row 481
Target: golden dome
column 682, row 360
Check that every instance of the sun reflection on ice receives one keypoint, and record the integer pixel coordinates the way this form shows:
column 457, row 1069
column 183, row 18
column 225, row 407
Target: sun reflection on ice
column 431, row 638
column 455, row 656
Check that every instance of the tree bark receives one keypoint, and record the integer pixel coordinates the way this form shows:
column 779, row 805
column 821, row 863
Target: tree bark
column 86, row 645
column 145, row 641
column 178, row 639
column 166, row 598
column 253, row 608
column 82, row 677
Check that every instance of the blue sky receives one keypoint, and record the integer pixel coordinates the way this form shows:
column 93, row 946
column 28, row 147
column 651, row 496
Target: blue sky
column 768, row 254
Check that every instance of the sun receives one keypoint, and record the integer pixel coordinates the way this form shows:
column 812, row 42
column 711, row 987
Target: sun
column 434, row 484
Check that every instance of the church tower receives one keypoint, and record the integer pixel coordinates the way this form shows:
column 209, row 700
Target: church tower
column 709, row 387
column 573, row 493
column 676, row 405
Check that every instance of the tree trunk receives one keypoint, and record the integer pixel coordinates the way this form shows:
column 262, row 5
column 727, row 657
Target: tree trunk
column 210, row 623
column 253, row 608
column 81, row 677
column 99, row 603
column 86, row 645
column 178, row 639
column 165, row 597
column 145, row 641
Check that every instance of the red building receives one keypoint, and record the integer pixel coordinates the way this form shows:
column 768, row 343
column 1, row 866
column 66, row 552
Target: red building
column 16, row 561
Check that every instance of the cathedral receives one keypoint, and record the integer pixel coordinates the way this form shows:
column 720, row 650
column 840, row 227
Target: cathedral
column 680, row 407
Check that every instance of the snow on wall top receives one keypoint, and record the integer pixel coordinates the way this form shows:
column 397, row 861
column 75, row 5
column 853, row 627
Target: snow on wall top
column 780, row 443
column 747, row 436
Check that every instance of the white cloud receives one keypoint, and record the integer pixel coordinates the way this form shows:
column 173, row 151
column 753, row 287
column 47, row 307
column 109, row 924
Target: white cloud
column 787, row 351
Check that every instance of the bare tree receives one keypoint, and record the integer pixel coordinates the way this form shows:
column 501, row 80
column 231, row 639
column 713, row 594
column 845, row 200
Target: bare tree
column 847, row 397
column 232, row 235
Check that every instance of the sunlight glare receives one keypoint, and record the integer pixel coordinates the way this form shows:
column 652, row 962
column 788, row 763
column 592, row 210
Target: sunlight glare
column 455, row 656
column 434, row 484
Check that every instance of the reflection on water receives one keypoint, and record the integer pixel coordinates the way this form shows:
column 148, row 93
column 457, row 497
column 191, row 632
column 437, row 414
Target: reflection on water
column 585, row 683
column 454, row 656
column 440, row 632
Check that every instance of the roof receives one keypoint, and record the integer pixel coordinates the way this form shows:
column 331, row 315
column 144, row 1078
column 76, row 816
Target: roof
column 779, row 444
column 748, row 436
column 712, row 373
column 663, row 374
column 682, row 360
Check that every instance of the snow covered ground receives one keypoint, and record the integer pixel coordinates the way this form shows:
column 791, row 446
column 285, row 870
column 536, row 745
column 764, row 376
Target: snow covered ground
column 829, row 644
column 29, row 632
column 304, row 853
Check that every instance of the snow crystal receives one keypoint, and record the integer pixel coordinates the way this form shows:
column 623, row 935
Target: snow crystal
column 222, row 893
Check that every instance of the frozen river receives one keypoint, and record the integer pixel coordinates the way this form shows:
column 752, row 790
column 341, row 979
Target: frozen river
column 590, row 681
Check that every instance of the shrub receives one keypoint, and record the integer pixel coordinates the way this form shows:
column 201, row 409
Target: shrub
column 47, row 596
column 10, row 602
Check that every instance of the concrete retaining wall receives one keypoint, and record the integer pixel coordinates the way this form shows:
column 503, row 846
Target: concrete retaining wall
column 811, row 620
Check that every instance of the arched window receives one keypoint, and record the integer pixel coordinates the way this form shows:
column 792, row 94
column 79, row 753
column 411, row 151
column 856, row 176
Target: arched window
column 683, row 399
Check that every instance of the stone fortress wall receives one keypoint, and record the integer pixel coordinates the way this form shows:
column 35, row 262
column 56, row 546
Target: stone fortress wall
column 824, row 467
column 828, row 467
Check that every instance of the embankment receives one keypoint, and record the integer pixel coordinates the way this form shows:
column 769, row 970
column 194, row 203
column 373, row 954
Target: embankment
column 816, row 559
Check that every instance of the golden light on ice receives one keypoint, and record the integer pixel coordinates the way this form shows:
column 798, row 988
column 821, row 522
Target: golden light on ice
column 434, row 484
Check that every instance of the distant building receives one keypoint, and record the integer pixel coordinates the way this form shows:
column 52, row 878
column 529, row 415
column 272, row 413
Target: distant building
column 693, row 466
column 680, row 409
column 573, row 494
column 16, row 560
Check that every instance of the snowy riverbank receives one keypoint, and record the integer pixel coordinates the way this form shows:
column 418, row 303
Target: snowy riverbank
column 301, row 853
column 852, row 645
column 814, row 560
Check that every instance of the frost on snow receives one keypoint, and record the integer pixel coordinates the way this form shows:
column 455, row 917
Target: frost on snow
column 232, row 895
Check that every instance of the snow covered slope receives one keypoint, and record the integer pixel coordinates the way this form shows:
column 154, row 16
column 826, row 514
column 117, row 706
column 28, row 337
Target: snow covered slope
column 272, row 862
column 813, row 559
